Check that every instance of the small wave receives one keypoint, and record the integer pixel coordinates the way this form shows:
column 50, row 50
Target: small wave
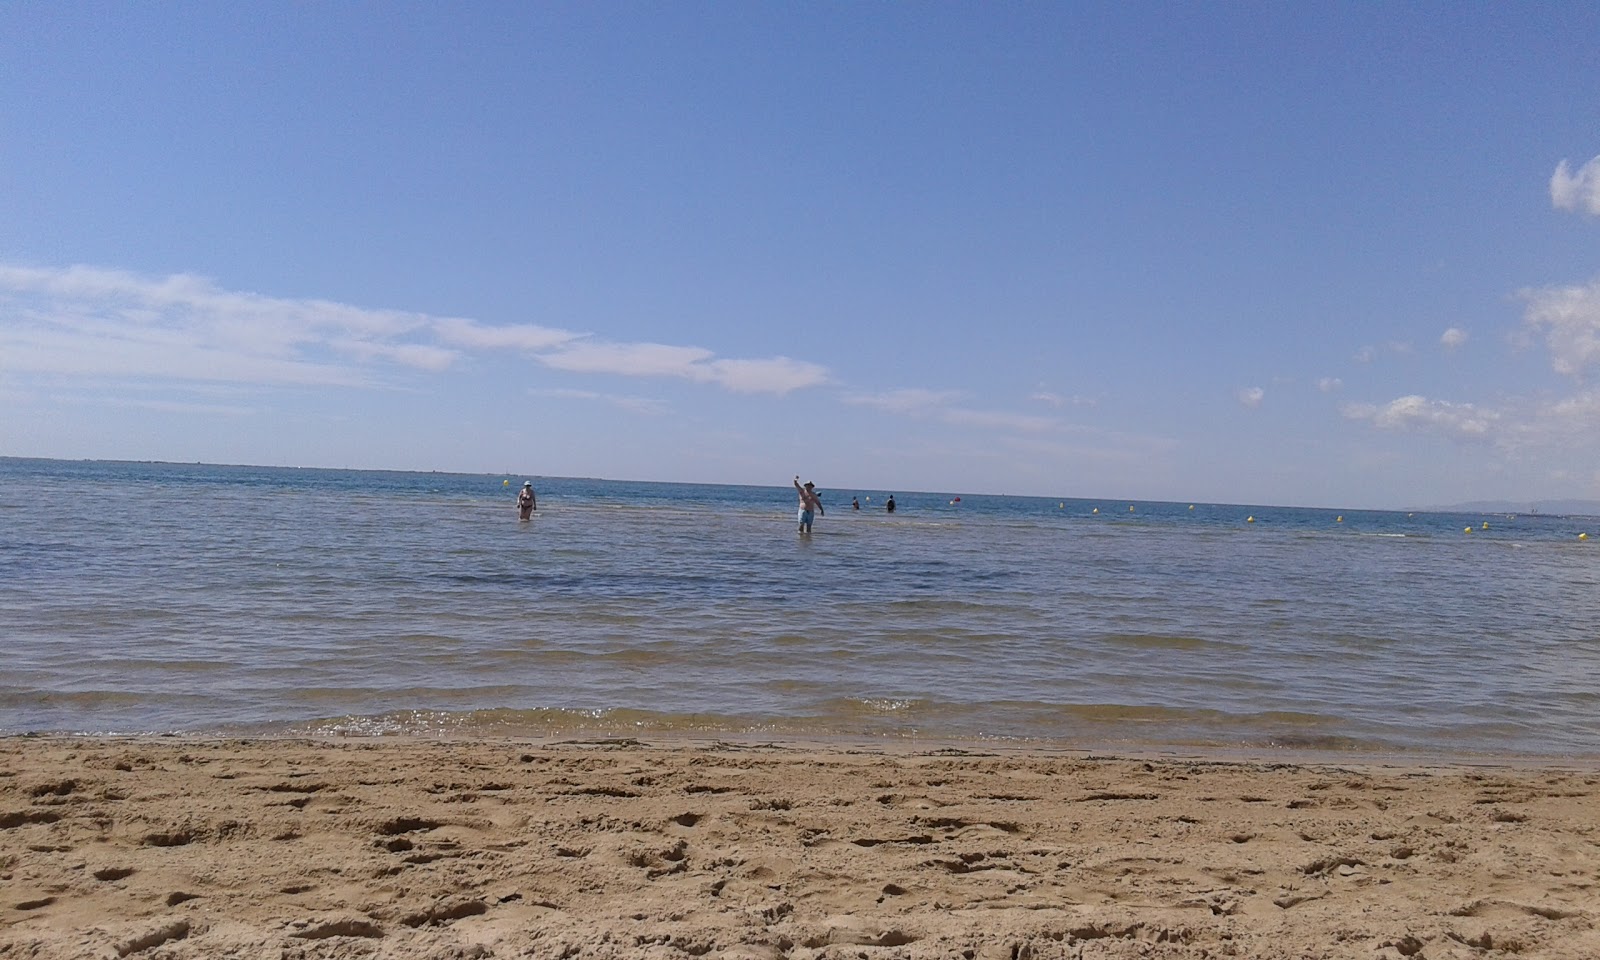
column 1156, row 641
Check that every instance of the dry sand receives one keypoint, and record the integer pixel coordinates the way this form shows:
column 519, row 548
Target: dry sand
column 189, row 848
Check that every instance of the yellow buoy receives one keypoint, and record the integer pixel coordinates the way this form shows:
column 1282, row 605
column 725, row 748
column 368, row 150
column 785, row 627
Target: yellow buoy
column 1583, row 536
column 1061, row 506
column 1130, row 508
column 505, row 483
column 1249, row 519
column 1469, row 529
column 1191, row 506
column 1096, row 510
column 1339, row 519
column 1485, row 524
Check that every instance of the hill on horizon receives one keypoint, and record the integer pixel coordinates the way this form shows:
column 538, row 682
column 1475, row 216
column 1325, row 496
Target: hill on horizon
column 1578, row 508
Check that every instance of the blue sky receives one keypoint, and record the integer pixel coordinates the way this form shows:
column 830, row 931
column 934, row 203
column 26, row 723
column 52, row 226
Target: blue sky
column 1341, row 255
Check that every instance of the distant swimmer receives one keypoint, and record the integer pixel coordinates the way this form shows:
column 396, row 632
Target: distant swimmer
column 810, row 504
column 889, row 506
column 526, row 501
column 855, row 504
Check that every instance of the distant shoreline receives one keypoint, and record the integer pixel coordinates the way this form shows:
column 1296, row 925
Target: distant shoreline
column 1546, row 508
column 1553, row 508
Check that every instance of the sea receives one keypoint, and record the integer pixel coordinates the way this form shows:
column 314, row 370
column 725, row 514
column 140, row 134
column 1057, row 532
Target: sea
column 225, row 601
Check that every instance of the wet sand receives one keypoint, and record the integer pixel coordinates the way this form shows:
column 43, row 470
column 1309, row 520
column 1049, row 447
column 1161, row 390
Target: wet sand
column 434, row 849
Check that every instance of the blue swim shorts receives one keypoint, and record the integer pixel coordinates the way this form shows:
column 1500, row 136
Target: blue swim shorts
column 806, row 517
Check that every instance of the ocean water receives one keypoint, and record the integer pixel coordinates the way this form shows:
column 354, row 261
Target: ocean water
column 155, row 598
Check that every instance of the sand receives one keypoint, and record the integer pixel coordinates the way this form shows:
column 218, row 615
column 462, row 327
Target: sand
column 410, row 849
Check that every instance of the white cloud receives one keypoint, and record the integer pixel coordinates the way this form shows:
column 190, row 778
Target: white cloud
column 69, row 352
column 419, row 355
column 1329, row 384
column 777, row 375
column 1057, row 400
column 628, row 359
column 773, row 375
column 97, row 322
column 911, row 401
column 1569, row 318
column 1251, row 396
column 1576, row 191
column 1572, row 423
column 1453, row 338
column 1369, row 353
column 517, row 336
column 178, row 406
column 1459, row 420
column 90, row 321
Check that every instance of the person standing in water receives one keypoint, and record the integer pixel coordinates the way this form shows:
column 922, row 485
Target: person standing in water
column 890, row 505
column 526, row 501
column 810, row 504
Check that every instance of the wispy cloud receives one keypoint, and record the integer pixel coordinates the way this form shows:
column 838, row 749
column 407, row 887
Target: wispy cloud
column 1570, row 423
column 912, row 401
column 1251, row 396
column 517, row 336
column 778, row 375
column 1416, row 413
column 1578, row 191
column 179, row 406
column 1453, row 338
column 1369, row 353
column 1569, row 319
column 1329, row 384
column 96, row 322
column 1057, row 400
column 89, row 321
column 1566, row 427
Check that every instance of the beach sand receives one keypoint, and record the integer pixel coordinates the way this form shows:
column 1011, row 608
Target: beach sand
column 188, row 848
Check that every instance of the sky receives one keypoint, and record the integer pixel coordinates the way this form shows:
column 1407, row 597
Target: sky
column 1341, row 255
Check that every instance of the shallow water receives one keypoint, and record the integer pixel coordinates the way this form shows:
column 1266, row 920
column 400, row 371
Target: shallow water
column 204, row 599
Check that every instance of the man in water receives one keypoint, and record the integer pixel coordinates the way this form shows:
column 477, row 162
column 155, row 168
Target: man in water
column 526, row 501
column 809, row 503
column 890, row 505
column 855, row 503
